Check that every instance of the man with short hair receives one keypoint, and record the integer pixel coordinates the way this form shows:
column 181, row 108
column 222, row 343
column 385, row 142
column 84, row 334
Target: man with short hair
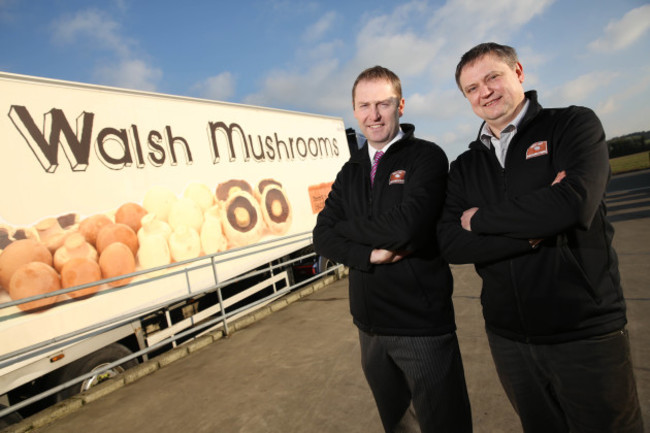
column 379, row 219
column 526, row 205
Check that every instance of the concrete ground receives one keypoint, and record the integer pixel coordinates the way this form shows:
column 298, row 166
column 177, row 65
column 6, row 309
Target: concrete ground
column 298, row 369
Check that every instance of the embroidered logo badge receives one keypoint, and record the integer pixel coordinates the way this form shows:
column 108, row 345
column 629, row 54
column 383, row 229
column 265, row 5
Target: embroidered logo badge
column 537, row 149
column 397, row 177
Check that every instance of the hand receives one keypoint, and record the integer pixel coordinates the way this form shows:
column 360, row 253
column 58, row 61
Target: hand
column 534, row 243
column 380, row 256
column 466, row 218
column 561, row 175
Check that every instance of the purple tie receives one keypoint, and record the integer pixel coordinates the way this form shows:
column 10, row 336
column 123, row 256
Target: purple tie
column 375, row 162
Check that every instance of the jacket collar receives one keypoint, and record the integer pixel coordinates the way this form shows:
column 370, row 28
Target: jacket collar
column 361, row 155
column 533, row 109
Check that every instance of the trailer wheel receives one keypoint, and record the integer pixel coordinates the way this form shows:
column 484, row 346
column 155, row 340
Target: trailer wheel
column 90, row 363
column 325, row 264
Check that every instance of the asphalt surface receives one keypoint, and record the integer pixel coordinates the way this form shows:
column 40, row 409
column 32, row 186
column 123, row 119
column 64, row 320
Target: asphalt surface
column 298, row 369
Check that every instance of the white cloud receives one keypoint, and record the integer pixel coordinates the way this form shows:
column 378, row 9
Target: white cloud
column 624, row 32
column 131, row 74
column 471, row 22
column 316, row 89
column 578, row 90
column 618, row 98
column 442, row 104
column 492, row 14
column 420, row 41
column 318, row 29
column 324, row 87
column 93, row 27
column 99, row 30
column 623, row 98
column 219, row 87
column 625, row 112
column 610, row 105
column 390, row 41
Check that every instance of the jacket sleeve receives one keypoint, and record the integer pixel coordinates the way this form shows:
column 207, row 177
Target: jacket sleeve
column 459, row 246
column 410, row 225
column 582, row 153
column 331, row 244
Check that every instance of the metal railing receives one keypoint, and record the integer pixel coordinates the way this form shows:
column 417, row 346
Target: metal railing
column 220, row 319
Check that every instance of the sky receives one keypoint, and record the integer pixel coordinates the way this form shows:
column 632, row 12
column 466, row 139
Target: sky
column 304, row 55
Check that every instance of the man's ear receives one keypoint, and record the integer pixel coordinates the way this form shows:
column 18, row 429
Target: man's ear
column 519, row 70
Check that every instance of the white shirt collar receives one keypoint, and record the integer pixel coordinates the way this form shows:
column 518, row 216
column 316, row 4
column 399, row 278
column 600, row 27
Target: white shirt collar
column 501, row 144
column 486, row 132
column 372, row 150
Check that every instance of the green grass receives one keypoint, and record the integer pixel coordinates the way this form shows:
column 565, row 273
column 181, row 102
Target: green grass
column 637, row 161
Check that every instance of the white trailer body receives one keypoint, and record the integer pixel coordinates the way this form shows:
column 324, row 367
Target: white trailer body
column 72, row 150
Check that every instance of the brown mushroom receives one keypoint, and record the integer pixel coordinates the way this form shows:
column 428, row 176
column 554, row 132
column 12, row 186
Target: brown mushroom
column 78, row 271
column 51, row 233
column 276, row 209
column 31, row 279
column 262, row 184
column 115, row 260
column 130, row 214
column 117, row 232
column 242, row 220
column 90, row 226
column 226, row 189
column 75, row 245
column 19, row 253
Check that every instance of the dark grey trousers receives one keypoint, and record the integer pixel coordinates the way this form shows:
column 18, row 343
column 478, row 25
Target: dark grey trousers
column 578, row 387
column 421, row 373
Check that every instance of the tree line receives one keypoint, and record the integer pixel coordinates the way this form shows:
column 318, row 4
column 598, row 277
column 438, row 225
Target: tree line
column 635, row 142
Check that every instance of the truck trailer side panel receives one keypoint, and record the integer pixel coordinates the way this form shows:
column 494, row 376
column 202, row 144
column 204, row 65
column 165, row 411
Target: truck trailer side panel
column 222, row 179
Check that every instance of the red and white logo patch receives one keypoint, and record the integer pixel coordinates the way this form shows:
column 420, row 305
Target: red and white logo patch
column 537, row 149
column 397, row 177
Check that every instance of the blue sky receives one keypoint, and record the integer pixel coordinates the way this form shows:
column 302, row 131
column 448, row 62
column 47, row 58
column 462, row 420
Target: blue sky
column 304, row 56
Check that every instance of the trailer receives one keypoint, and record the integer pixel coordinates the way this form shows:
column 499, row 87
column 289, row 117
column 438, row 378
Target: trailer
column 132, row 222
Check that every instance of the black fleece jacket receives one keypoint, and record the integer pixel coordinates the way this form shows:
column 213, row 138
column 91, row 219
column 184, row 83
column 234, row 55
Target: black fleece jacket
column 569, row 287
column 411, row 296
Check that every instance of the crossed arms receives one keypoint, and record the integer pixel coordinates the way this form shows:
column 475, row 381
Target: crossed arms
column 478, row 233
column 362, row 240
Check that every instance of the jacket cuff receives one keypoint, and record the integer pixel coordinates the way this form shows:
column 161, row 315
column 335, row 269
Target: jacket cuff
column 359, row 257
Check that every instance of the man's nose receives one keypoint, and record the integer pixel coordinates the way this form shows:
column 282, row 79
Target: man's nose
column 485, row 90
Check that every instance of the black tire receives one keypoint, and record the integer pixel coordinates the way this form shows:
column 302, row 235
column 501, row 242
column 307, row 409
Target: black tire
column 89, row 363
column 325, row 264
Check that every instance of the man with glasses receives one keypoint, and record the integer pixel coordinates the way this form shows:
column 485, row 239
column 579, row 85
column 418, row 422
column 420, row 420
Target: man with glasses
column 526, row 204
